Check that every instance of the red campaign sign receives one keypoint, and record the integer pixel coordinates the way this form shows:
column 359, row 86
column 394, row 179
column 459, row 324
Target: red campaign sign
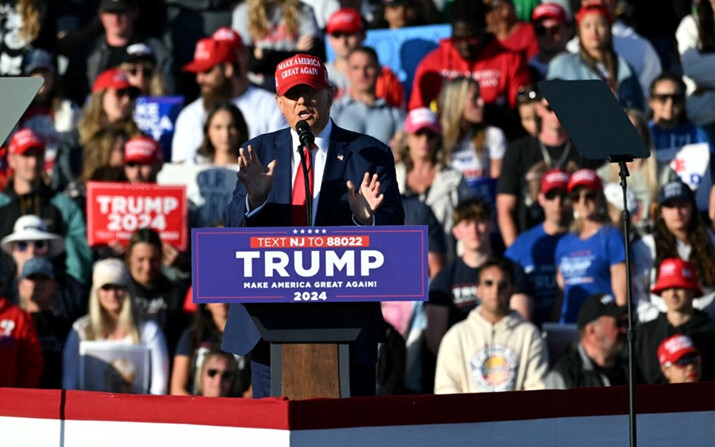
column 116, row 210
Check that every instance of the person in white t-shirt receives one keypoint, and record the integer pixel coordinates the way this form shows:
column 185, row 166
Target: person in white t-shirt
column 220, row 67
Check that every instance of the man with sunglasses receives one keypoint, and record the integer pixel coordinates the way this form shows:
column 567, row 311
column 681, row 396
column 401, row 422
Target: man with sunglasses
column 678, row 286
column 27, row 193
column 143, row 159
column 534, row 249
column 220, row 65
column 494, row 349
column 680, row 361
column 597, row 360
column 118, row 18
column 473, row 52
column 552, row 30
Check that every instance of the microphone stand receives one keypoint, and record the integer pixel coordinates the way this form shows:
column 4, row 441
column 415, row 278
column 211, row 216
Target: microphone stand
column 306, row 180
column 631, row 334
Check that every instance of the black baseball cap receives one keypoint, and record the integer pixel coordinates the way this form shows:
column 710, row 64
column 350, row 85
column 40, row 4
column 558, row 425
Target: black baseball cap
column 597, row 306
column 676, row 190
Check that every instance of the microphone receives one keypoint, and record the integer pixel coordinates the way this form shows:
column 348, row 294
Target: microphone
column 305, row 135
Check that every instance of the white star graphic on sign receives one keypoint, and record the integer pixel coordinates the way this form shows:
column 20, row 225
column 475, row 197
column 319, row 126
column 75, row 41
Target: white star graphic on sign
column 324, row 231
column 295, row 231
column 310, row 231
column 302, row 231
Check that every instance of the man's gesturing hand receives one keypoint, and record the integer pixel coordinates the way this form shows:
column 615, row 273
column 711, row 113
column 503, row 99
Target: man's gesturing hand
column 255, row 178
column 365, row 201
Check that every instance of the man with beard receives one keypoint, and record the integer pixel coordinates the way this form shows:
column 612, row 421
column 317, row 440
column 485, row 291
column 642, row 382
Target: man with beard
column 534, row 249
column 597, row 359
column 220, row 67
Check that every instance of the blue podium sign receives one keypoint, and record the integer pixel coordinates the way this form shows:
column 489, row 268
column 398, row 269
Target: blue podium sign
column 309, row 264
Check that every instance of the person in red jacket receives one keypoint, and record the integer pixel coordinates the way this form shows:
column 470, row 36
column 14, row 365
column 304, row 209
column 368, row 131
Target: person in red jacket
column 21, row 360
column 473, row 52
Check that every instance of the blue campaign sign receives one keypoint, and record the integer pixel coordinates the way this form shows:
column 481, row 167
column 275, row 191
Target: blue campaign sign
column 402, row 49
column 331, row 264
column 156, row 116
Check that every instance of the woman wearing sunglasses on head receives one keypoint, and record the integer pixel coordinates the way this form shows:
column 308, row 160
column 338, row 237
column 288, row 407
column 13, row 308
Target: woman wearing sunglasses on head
column 113, row 317
column 591, row 258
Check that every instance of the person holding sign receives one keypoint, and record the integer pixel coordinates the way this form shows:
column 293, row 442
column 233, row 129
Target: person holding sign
column 113, row 317
column 353, row 183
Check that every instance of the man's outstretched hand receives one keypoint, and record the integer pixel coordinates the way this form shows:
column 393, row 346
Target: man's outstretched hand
column 366, row 200
column 255, row 178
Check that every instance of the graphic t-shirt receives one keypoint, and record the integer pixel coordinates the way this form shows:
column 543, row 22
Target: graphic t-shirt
column 585, row 266
column 534, row 251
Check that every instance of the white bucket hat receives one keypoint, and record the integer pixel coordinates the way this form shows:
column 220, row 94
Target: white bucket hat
column 31, row 228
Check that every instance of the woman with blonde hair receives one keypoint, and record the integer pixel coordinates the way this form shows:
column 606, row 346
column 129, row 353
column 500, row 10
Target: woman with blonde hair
column 111, row 104
column 113, row 317
column 470, row 146
column 219, row 376
column 591, row 258
column 275, row 30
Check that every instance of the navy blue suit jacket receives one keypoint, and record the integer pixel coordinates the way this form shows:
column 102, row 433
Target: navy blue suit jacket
column 350, row 156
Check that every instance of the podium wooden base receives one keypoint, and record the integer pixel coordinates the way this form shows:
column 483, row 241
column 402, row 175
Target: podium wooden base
column 310, row 370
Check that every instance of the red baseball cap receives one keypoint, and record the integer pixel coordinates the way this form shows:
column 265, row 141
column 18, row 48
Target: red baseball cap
column 675, row 347
column 554, row 179
column 675, row 272
column 301, row 69
column 143, row 150
column 549, row 11
column 585, row 177
column 594, row 8
column 25, row 139
column 113, row 78
column 422, row 118
column 346, row 20
column 210, row 52
column 226, row 34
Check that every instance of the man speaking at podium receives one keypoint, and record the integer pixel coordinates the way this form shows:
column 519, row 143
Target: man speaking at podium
column 351, row 178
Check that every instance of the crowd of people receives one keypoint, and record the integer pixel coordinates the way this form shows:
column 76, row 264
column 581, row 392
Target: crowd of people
column 526, row 240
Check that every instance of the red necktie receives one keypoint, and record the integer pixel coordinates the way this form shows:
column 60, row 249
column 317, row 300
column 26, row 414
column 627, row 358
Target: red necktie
column 298, row 214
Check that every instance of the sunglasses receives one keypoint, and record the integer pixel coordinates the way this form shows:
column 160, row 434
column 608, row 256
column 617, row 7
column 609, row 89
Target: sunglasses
column 587, row 195
column 427, row 133
column 690, row 359
column 225, row 375
column 555, row 193
column 136, row 69
column 550, row 31
column 501, row 285
column 126, row 92
column 115, row 287
column 664, row 97
column 40, row 246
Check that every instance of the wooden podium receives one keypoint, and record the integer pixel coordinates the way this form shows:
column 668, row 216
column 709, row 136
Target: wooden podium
column 310, row 345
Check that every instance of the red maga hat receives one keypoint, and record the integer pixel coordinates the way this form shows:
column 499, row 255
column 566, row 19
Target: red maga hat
column 594, row 8
column 210, row 52
column 25, row 139
column 674, row 348
column 550, row 11
column 675, row 272
column 143, row 150
column 113, row 78
column 301, row 69
column 554, row 179
column 585, row 177
column 346, row 20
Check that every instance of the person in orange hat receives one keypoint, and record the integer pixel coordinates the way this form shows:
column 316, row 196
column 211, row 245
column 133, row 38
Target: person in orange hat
column 678, row 285
column 221, row 67
column 591, row 258
column 680, row 361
